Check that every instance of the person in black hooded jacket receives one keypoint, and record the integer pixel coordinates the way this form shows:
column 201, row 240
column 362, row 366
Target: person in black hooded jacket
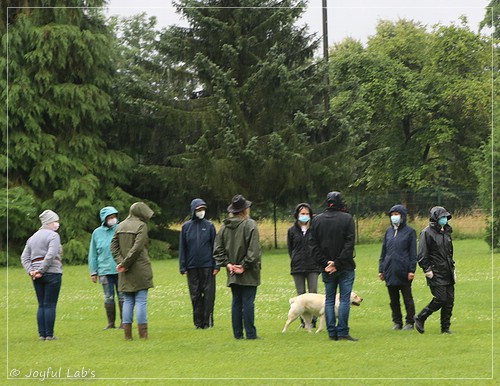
column 197, row 260
column 303, row 267
column 435, row 257
column 332, row 245
column 397, row 264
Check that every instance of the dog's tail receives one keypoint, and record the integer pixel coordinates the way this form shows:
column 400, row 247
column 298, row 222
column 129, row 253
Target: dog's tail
column 292, row 300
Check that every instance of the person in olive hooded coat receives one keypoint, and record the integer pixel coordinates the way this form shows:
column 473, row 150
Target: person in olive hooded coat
column 237, row 248
column 397, row 264
column 129, row 248
column 435, row 257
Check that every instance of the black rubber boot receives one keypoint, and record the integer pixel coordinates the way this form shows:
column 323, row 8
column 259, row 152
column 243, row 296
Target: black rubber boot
column 111, row 315
column 421, row 318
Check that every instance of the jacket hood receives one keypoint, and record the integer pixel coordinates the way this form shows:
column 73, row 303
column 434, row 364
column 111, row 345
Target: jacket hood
column 437, row 212
column 299, row 207
column 196, row 203
column 233, row 222
column 105, row 212
column 141, row 211
column 400, row 209
column 335, row 201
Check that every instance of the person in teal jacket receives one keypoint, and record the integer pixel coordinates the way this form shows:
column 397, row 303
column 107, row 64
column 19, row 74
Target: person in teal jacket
column 102, row 264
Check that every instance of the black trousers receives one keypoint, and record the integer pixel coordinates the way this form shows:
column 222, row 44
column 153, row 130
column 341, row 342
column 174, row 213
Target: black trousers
column 397, row 316
column 443, row 299
column 201, row 282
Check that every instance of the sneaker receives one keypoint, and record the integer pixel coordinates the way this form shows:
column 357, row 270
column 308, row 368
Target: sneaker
column 334, row 337
column 347, row 337
column 396, row 326
column 446, row 332
column 41, row 338
column 51, row 338
column 408, row 327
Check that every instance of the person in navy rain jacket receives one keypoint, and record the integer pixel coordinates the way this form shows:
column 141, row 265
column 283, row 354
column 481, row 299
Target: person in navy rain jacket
column 397, row 264
column 196, row 259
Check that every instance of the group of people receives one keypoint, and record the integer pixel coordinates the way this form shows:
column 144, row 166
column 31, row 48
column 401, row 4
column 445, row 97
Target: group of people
column 322, row 244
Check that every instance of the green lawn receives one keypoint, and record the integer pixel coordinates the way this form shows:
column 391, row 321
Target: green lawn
column 177, row 353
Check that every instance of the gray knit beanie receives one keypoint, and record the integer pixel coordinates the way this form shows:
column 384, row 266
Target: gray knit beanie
column 48, row 216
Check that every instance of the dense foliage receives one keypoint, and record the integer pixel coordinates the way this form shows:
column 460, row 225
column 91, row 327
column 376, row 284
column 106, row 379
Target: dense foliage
column 111, row 112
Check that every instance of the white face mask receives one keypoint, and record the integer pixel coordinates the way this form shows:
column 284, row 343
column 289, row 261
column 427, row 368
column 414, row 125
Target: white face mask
column 200, row 214
column 111, row 222
column 54, row 226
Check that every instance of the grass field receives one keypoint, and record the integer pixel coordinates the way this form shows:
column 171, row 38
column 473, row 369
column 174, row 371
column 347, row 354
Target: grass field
column 177, row 353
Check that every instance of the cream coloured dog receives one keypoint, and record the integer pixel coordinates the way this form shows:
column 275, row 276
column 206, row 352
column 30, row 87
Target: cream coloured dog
column 309, row 304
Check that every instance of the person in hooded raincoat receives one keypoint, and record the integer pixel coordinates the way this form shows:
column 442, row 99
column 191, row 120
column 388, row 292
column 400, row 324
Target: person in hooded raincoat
column 196, row 259
column 237, row 247
column 397, row 264
column 135, row 276
column 102, row 266
column 435, row 257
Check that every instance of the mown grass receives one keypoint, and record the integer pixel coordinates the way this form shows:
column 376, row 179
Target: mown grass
column 177, row 353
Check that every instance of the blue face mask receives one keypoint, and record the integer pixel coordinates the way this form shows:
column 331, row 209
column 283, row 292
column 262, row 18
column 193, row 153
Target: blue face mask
column 443, row 221
column 304, row 218
column 396, row 219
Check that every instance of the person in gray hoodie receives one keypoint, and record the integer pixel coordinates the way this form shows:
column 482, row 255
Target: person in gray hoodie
column 102, row 265
column 41, row 258
column 237, row 247
column 196, row 259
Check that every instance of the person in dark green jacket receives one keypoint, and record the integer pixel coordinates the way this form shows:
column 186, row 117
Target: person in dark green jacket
column 237, row 247
column 135, row 276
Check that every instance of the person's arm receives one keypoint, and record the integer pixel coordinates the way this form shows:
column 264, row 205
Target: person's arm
column 182, row 250
column 220, row 254
column 289, row 242
column 92, row 258
column 253, row 254
column 382, row 258
column 347, row 251
column 26, row 257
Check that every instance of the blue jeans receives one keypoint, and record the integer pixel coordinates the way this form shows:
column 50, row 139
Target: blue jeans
column 110, row 286
column 344, row 280
column 47, row 292
column 243, row 311
column 132, row 299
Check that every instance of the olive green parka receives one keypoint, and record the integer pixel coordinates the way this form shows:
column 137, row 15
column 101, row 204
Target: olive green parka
column 238, row 243
column 129, row 248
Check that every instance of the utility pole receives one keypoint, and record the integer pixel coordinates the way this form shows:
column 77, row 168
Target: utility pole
column 325, row 55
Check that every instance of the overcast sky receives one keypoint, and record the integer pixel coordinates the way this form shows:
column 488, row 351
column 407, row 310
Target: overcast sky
column 346, row 18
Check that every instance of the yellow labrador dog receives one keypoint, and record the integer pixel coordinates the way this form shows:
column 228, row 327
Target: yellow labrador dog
column 308, row 304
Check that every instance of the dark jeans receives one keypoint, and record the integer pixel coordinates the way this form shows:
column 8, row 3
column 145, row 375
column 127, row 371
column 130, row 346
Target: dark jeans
column 397, row 316
column 243, row 311
column 443, row 298
column 47, row 292
column 201, row 282
column 110, row 286
column 344, row 280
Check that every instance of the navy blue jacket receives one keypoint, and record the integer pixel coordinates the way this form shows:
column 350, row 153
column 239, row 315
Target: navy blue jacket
column 399, row 251
column 196, row 242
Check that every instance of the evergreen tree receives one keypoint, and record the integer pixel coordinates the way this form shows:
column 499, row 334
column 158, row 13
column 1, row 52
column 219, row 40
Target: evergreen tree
column 59, row 74
column 258, row 74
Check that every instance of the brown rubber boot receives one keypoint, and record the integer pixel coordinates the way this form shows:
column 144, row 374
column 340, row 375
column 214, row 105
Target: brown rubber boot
column 143, row 330
column 127, row 328
column 111, row 314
